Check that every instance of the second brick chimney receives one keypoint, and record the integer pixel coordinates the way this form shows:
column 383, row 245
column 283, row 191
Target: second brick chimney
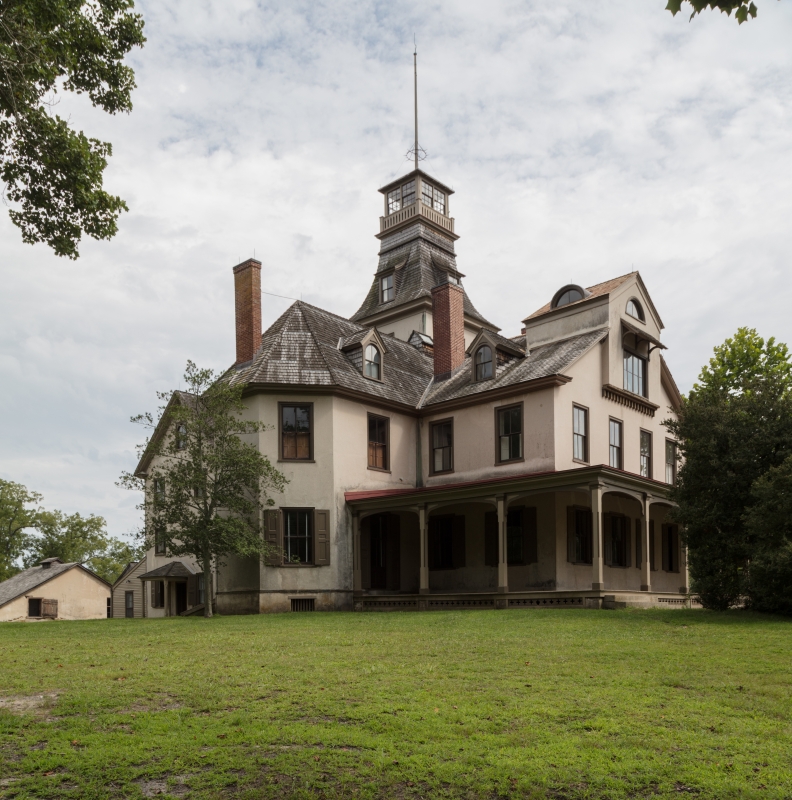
column 247, row 304
column 448, row 328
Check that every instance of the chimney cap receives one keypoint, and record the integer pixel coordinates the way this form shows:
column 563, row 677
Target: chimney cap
column 247, row 263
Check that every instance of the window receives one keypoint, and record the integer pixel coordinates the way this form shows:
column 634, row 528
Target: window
column 515, row 540
column 158, row 594
column 670, row 462
column 201, row 588
column 579, row 536
column 619, row 555
column 483, row 363
column 408, row 194
column 579, row 433
column 569, row 296
column 181, row 437
column 386, row 288
column 296, row 434
column 615, row 450
column 129, row 604
column 394, row 200
column 426, row 194
column 34, row 606
column 442, row 446
column 509, row 433
column 439, row 201
column 634, row 310
column 372, row 364
column 634, row 374
column 109, row 607
column 159, row 541
column 646, row 454
column 159, row 490
column 298, row 536
column 378, row 430
column 670, row 546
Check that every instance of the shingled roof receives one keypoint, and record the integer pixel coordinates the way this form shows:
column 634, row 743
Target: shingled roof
column 27, row 580
column 598, row 290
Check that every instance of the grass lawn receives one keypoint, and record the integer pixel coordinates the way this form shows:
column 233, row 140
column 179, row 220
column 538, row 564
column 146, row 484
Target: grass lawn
column 471, row 704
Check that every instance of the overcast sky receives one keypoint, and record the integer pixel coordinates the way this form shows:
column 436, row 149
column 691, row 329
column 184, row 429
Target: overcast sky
column 583, row 140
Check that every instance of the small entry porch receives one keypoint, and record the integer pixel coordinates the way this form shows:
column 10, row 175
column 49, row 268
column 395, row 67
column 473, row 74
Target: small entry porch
column 172, row 587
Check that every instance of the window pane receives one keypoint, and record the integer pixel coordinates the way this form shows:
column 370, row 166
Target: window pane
column 634, row 374
column 579, row 433
column 670, row 462
column 296, row 432
column 297, row 539
column 439, row 201
column 426, row 194
column 483, row 363
column 394, row 200
column 646, row 454
column 615, row 444
column 387, row 288
column 408, row 194
column 372, row 362
column 570, row 296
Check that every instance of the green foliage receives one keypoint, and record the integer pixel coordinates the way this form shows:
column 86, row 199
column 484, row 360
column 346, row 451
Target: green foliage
column 623, row 705
column 735, row 425
column 16, row 518
column 77, row 538
column 743, row 8
column 207, row 484
column 53, row 173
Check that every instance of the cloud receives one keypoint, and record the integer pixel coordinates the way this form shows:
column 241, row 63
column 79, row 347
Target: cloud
column 583, row 140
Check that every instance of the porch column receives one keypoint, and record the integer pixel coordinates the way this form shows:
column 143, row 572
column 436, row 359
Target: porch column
column 597, row 579
column 684, row 568
column 646, row 582
column 357, row 570
column 423, row 523
column 503, row 565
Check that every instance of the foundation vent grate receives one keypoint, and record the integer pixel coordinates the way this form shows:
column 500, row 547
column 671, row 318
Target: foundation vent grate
column 302, row 604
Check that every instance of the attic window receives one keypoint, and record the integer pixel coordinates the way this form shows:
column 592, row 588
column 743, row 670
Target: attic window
column 372, row 366
column 483, row 363
column 634, row 310
column 569, row 296
column 387, row 292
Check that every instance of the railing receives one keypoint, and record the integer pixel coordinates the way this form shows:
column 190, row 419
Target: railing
column 414, row 210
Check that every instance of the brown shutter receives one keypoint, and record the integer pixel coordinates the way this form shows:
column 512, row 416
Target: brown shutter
column 153, row 588
column 638, row 543
column 321, row 538
column 393, row 555
column 273, row 537
column 571, row 534
column 607, row 538
column 627, row 539
column 434, row 542
column 491, row 539
column 192, row 590
column 530, row 546
column 49, row 609
column 652, row 556
column 673, row 549
column 664, row 546
column 458, row 542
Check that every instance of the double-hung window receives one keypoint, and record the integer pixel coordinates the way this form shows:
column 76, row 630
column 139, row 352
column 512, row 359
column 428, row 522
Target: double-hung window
column 646, row 454
column 442, row 434
column 510, row 437
column 387, row 292
column 298, row 535
column 634, row 373
column 296, row 434
column 579, row 433
column 670, row 462
column 615, row 444
column 378, row 442
column 159, row 541
column 201, row 588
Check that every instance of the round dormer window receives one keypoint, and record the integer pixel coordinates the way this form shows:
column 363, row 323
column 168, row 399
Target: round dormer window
column 634, row 310
column 568, row 294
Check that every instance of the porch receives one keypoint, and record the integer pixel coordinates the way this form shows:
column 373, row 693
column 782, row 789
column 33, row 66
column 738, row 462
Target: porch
column 593, row 537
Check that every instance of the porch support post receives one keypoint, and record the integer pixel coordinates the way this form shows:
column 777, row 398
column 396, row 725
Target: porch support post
column 503, row 566
column 646, row 583
column 597, row 577
column 357, row 569
column 423, row 523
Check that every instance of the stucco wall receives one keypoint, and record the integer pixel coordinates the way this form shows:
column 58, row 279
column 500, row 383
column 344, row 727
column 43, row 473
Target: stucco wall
column 80, row 595
column 420, row 321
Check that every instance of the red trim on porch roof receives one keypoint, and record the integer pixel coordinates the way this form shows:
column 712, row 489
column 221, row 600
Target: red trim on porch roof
column 374, row 494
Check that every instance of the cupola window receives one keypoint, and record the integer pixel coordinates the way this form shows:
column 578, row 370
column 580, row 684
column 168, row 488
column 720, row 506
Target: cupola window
column 394, row 201
column 634, row 310
column 372, row 367
column 426, row 194
column 408, row 194
column 483, row 363
column 386, row 288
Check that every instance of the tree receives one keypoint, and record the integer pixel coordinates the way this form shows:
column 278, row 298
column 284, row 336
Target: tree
column 52, row 172
column 16, row 517
column 76, row 538
column 734, row 426
column 744, row 8
column 206, row 487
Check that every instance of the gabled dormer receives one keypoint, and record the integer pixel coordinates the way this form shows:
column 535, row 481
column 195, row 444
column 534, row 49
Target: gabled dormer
column 367, row 351
column 489, row 353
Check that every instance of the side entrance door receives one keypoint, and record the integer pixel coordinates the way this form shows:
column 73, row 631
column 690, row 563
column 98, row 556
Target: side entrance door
column 129, row 604
column 181, row 597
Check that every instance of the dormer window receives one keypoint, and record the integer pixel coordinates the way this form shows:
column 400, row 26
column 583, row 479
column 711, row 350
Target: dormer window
column 569, row 296
column 634, row 310
column 484, row 363
column 372, row 364
column 387, row 291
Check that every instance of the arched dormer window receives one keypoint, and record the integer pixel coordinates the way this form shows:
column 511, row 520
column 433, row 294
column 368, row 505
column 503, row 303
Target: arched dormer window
column 568, row 294
column 634, row 310
column 484, row 363
column 372, row 363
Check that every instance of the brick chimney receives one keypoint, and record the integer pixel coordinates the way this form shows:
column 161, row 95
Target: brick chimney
column 448, row 328
column 247, row 304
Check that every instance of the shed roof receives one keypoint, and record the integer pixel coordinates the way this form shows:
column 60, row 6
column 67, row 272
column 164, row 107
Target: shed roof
column 29, row 579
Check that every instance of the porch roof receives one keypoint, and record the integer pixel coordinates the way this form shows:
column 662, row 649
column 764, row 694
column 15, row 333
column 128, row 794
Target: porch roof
column 175, row 569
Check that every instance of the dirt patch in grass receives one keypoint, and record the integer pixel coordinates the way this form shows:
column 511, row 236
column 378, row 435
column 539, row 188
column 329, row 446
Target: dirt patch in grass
column 159, row 786
column 37, row 704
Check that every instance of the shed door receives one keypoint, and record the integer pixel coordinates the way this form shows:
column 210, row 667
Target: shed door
column 49, row 609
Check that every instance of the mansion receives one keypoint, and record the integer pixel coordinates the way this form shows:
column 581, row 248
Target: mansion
column 434, row 463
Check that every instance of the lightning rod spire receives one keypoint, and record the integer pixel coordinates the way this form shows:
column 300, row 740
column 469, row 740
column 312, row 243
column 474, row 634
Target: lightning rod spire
column 415, row 70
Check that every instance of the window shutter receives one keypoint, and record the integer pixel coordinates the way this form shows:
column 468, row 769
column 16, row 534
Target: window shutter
column 393, row 563
column 638, row 543
column 627, row 538
column 49, row 609
column 273, row 537
column 664, row 546
column 673, row 548
column 192, row 590
column 530, row 547
column 571, row 534
column 652, row 556
column 458, row 542
column 607, row 537
column 321, row 538
column 491, row 539
column 434, row 543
